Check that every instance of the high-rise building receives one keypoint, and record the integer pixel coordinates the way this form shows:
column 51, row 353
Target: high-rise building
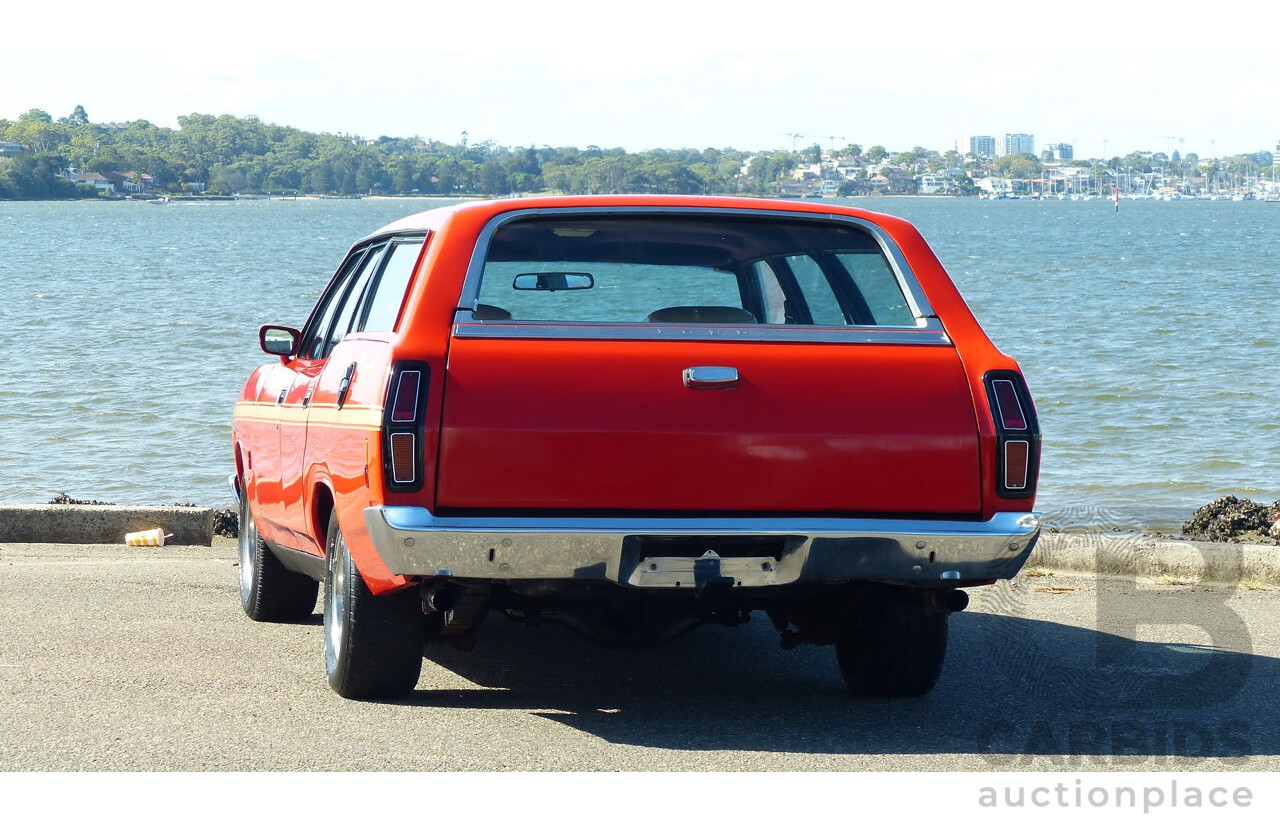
column 1062, row 151
column 1018, row 143
column 982, row 146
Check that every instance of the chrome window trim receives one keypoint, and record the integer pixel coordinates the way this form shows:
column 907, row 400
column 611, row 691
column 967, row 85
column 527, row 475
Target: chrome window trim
column 911, row 290
column 931, row 334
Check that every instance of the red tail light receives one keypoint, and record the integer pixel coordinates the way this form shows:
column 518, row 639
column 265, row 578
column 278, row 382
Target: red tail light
column 404, row 407
column 1008, row 407
column 402, row 427
column 1017, row 434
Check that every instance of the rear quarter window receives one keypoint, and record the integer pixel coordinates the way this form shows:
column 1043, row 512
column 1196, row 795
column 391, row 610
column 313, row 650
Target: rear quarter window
column 879, row 287
column 387, row 296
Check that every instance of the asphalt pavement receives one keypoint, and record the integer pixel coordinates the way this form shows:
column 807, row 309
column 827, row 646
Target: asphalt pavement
column 117, row 658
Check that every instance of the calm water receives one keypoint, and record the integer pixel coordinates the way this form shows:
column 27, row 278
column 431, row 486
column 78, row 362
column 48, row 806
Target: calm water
column 1147, row 337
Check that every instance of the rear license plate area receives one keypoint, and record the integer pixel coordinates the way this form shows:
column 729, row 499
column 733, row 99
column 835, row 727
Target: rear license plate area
column 693, row 547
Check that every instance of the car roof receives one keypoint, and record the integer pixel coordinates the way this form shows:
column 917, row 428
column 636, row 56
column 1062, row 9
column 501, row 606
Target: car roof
column 433, row 219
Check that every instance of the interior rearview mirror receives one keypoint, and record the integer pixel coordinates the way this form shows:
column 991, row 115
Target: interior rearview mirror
column 553, row 281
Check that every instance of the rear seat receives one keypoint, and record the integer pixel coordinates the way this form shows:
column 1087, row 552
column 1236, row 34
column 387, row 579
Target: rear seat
column 489, row 312
column 701, row 315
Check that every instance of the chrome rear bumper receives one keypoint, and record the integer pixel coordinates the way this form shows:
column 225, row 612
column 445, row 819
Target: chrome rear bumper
column 413, row 542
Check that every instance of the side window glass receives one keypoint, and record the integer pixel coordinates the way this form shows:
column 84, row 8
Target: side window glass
column 353, row 301
column 315, row 336
column 823, row 304
column 771, row 294
column 879, row 287
column 388, row 293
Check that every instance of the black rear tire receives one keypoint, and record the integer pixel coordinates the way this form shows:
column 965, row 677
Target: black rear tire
column 269, row 591
column 895, row 646
column 372, row 644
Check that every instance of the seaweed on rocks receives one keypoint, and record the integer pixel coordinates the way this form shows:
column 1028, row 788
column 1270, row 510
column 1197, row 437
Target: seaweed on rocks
column 226, row 523
column 63, row 498
column 1232, row 519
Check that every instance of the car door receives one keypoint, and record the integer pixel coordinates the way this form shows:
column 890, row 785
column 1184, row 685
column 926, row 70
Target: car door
column 260, row 424
column 349, row 362
column 329, row 322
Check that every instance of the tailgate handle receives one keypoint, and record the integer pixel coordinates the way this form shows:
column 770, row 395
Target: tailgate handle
column 710, row 378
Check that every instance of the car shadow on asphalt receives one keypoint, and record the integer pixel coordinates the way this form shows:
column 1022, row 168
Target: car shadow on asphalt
column 1012, row 687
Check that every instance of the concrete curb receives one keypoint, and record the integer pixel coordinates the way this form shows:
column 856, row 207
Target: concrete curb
column 1148, row 557
column 101, row 523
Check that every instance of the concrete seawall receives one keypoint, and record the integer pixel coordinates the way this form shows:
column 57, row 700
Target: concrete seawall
column 101, row 523
column 1151, row 557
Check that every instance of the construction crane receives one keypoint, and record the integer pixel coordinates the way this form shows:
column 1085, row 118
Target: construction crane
column 833, row 139
column 794, row 137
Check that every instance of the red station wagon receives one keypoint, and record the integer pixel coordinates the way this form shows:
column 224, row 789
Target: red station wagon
column 634, row 415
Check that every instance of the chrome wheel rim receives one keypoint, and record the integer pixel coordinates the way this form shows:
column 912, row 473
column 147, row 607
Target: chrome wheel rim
column 247, row 546
column 335, row 604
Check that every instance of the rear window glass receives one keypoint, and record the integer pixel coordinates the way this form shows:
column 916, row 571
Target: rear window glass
column 689, row 269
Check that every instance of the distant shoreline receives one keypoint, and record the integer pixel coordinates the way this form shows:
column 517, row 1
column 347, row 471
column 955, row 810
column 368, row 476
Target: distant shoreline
column 522, row 196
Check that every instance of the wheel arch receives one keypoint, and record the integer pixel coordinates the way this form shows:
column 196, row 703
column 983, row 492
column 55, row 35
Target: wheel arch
column 240, row 465
column 322, row 507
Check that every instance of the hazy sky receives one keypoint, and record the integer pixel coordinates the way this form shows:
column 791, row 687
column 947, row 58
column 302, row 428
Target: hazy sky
column 675, row 74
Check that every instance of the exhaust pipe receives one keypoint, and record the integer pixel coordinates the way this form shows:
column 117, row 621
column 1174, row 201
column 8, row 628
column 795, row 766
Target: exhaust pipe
column 437, row 598
column 955, row 601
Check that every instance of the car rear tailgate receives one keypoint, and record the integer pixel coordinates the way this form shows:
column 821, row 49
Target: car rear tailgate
column 539, row 423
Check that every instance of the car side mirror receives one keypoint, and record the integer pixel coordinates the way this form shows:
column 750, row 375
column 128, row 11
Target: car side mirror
column 281, row 341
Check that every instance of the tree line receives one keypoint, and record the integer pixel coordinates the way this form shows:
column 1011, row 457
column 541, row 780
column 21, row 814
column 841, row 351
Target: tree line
column 245, row 155
column 226, row 155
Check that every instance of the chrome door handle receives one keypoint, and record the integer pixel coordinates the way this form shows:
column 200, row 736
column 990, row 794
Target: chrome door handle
column 710, row 378
column 345, row 385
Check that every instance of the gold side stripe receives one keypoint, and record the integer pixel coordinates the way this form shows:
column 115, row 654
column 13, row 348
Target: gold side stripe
column 364, row 418
column 271, row 405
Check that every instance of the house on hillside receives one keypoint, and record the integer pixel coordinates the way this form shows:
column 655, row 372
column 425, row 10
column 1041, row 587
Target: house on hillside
column 139, row 183
column 99, row 181
column 116, row 182
column 931, row 184
column 807, row 171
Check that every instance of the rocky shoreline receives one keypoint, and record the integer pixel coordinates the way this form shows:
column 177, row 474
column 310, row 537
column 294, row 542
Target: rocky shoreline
column 1235, row 521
